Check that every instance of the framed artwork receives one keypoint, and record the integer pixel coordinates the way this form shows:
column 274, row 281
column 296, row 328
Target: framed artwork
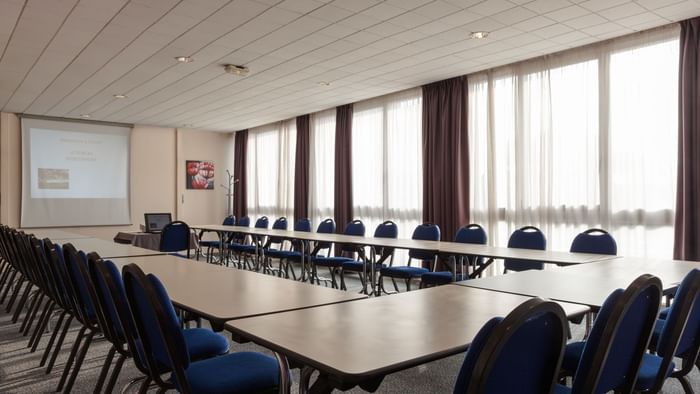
column 200, row 174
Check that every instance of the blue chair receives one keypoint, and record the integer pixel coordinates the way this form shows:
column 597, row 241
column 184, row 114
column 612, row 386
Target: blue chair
column 164, row 344
column 594, row 240
column 469, row 234
column 213, row 245
column 279, row 224
column 678, row 335
column 293, row 254
column 175, row 237
column 388, row 229
column 345, row 253
column 246, row 252
column 520, row 353
column 426, row 232
column 120, row 331
column 528, row 237
column 610, row 359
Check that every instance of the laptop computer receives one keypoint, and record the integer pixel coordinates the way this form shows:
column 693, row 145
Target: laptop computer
column 156, row 221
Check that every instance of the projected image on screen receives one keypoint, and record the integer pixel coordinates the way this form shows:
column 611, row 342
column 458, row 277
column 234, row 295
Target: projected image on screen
column 67, row 164
column 74, row 173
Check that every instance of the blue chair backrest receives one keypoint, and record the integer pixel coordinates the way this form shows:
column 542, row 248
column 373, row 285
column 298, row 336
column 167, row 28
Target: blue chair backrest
column 279, row 224
column 83, row 301
column 356, row 228
column 613, row 351
column 325, row 227
column 156, row 320
column 425, row 232
column 472, row 234
column 528, row 237
column 519, row 354
column 262, row 222
column 303, row 225
column 175, row 237
column 244, row 222
column 681, row 333
column 594, row 240
column 229, row 220
column 388, row 229
column 105, row 296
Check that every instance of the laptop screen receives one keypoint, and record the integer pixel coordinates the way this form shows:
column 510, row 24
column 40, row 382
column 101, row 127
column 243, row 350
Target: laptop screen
column 156, row 221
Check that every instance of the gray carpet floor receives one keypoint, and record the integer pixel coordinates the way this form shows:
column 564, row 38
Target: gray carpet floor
column 20, row 371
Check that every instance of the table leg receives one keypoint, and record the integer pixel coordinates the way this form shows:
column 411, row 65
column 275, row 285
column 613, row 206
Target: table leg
column 481, row 269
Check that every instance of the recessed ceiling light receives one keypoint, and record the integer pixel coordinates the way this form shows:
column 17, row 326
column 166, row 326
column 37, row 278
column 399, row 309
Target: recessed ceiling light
column 184, row 59
column 479, row 34
column 120, row 96
column 323, row 83
column 84, row 116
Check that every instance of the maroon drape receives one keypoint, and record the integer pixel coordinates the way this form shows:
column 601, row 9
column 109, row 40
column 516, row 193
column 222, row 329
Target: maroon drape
column 687, row 227
column 240, row 192
column 343, row 166
column 445, row 155
column 301, row 169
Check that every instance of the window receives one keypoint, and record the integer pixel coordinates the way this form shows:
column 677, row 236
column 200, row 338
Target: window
column 387, row 163
column 578, row 140
column 270, row 171
column 321, row 166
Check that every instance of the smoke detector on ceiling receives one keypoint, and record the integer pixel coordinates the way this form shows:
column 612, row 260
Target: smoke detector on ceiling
column 236, row 70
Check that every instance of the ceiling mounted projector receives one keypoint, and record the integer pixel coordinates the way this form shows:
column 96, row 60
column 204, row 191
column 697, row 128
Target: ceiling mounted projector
column 236, row 70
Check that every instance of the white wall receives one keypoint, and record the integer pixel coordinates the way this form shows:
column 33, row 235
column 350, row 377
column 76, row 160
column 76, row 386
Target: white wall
column 157, row 164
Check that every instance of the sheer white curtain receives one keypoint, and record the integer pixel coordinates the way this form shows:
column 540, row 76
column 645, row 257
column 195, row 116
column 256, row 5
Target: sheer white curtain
column 586, row 138
column 387, row 163
column 270, row 171
column 321, row 166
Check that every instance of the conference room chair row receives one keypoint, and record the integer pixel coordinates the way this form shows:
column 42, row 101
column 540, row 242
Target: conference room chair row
column 422, row 265
column 631, row 346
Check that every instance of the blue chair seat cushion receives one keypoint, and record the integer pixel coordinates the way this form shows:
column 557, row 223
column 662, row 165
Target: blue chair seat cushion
column 572, row 355
column 561, row 389
column 649, row 370
column 664, row 313
column 358, row 266
column 209, row 244
column 332, row 261
column 437, row 278
column 283, row 254
column 404, row 272
column 656, row 334
column 242, row 248
column 204, row 343
column 242, row 372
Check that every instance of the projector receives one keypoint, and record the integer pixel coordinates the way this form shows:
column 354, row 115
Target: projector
column 236, row 70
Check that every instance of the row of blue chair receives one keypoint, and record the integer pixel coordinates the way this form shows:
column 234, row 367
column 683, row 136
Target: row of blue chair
column 627, row 350
column 134, row 314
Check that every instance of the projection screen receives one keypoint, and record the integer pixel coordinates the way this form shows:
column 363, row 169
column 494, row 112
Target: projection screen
column 74, row 174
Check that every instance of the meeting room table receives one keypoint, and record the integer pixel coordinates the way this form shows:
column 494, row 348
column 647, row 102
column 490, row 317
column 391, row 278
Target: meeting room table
column 359, row 343
column 106, row 249
column 53, row 233
column 220, row 293
column 588, row 284
column 443, row 247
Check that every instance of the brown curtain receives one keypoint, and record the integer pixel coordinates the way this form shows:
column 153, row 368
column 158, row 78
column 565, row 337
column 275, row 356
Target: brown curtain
column 445, row 155
column 687, row 227
column 343, row 167
column 301, row 169
column 240, row 192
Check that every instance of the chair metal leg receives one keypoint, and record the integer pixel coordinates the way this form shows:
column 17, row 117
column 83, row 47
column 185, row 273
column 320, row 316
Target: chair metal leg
column 105, row 369
column 56, row 329
column 78, row 363
column 408, row 284
column 41, row 326
column 131, row 383
column 30, row 318
column 5, row 274
column 687, row 387
column 144, row 386
column 34, row 305
column 8, row 286
column 15, row 293
column 22, row 301
column 59, row 344
column 115, row 374
column 71, row 358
